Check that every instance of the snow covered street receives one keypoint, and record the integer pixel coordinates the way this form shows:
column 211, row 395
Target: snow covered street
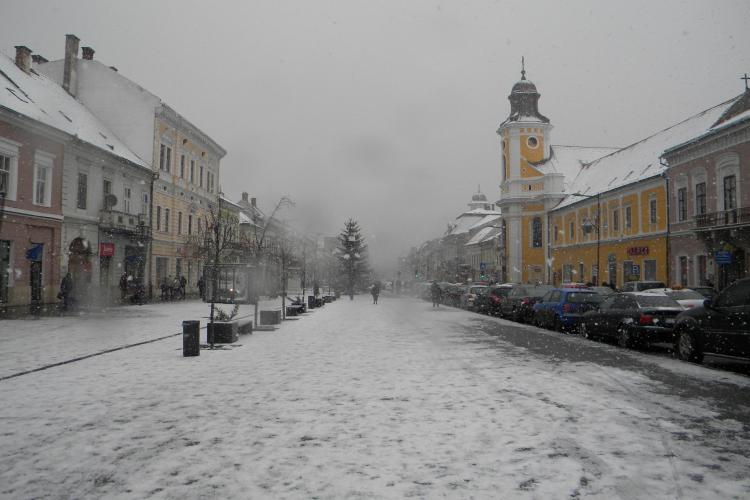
column 357, row 400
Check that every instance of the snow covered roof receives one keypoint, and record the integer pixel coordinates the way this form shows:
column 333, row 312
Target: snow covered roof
column 484, row 234
column 470, row 220
column 39, row 98
column 568, row 160
column 641, row 160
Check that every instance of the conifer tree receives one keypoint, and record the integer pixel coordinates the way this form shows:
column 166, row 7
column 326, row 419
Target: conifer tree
column 352, row 257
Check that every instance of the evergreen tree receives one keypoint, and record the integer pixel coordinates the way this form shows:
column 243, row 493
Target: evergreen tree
column 352, row 257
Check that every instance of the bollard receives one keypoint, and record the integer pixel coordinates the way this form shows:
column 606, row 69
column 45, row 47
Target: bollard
column 191, row 345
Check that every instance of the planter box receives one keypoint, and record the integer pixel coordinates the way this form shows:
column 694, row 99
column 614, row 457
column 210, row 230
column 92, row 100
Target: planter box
column 270, row 317
column 224, row 332
column 245, row 326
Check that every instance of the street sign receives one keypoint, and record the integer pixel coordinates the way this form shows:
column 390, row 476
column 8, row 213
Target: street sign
column 723, row 257
column 482, row 266
column 636, row 269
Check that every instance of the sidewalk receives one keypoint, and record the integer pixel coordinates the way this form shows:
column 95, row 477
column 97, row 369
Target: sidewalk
column 26, row 344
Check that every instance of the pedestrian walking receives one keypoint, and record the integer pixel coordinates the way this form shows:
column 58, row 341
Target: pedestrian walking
column 183, row 285
column 66, row 290
column 164, row 289
column 202, row 288
column 123, row 287
column 375, row 291
column 436, row 293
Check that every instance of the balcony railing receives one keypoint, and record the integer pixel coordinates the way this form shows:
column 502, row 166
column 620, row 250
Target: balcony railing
column 733, row 217
column 114, row 220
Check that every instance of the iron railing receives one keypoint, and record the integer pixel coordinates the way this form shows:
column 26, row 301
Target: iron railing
column 733, row 217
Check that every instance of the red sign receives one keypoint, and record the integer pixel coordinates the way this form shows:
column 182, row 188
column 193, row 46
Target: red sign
column 106, row 249
column 633, row 251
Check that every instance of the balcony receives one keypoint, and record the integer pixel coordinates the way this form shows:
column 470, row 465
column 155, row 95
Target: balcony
column 725, row 218
column 121, row 222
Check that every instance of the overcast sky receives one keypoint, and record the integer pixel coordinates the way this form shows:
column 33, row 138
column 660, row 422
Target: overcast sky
column 386, row 111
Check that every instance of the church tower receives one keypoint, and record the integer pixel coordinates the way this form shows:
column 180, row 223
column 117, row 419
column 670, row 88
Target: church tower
column 525, row 137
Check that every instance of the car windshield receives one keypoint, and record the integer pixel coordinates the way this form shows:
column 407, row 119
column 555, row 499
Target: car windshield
column 584, row 297
column 655, row 301
column 685, row 295
column 501, row 292
column 478, row 289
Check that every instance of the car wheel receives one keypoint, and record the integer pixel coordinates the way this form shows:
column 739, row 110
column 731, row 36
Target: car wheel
column 557, row 324
column 624, row 339
column 687, row 347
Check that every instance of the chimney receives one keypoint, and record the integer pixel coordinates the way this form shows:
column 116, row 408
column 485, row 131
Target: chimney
column 23, row 58
column 69, row 70
column 88, row 53
column 37, row 59
column 253, row 201
column 244, row 197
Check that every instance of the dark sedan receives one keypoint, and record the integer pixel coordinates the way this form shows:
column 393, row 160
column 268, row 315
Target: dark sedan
column 519, row 305
column 633, row 319
column 721, row 327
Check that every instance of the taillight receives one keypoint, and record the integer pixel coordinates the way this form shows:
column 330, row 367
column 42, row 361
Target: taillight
column 495, row 299
column 525, row 302
column 567, row 308
column 646, row 319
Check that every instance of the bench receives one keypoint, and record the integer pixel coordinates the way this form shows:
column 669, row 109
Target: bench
column 245, row 326
column 270, row 317
column 295, row 309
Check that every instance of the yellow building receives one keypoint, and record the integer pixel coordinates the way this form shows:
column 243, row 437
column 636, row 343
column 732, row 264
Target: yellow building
column 186, row 191
column 532, row 182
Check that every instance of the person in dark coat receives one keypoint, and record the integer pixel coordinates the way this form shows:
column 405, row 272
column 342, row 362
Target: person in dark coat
column 202, row 288
column 375, row 291
column 123, row 286
column 66, row 289
column 436, row 293
column 183, row 285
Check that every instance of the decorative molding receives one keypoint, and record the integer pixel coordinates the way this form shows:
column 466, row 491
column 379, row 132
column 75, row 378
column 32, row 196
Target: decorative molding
column 709, row 145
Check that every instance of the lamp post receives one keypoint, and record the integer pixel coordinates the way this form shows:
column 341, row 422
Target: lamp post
column 587, row 225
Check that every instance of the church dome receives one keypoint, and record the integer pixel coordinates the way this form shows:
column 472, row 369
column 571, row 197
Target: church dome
column 479, row 197
column 524, row 86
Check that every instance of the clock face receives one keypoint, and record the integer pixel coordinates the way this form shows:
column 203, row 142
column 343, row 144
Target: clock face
column 532, row 142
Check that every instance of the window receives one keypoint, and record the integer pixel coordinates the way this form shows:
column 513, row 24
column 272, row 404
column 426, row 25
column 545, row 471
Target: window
column 702, row 268
column 616, row 219
column 555, row 232
column 734, row 295
column 190, row 224
column 200, row 179
column 179, row 222
column 126, row 200
column 649, row 270
column 192, row 171
column 158, row 218
column 700, row 198
column 532, row 142
column 536, row 231
column 628, row 217
column 8, row 168
column 581, row 272
column 165, row 158
column 145, row 205
column 730, row 192
column 4, row 270
column 161, row 269
column 82, row 190
column 182, row 166
column 567, row 273
column 43, row 179
column 572, row 231
column 682, row 204
column 629, row 271
column 166, row 220
column 106, row 187
column 683, row 267
column 652, row 211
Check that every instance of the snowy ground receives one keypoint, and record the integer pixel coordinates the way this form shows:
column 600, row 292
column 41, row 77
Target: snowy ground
column 355, row 400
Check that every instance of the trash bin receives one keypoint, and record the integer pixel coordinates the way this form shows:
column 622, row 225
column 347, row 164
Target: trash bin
column 191, row 345
column 311, row 304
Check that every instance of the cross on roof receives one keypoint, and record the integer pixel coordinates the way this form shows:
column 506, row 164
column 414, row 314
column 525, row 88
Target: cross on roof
column 523, row 70
column 746, row 78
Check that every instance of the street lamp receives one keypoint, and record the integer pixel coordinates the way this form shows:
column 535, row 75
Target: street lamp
column 587, row 226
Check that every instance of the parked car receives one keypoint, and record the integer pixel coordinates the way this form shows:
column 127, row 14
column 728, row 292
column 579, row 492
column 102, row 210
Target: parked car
column 489, row 303
column 470, row 294
column 721, row 326
column 561, row 308
column 707, row 291
column 519, row 304
column 685, row 297
column 639, row 286
column 603, row 290
column 450, row 294
column 632, row 318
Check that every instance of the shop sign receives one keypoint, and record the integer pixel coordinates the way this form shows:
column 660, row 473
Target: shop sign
column 106, row 249
column 723, row 257
column 635, row 251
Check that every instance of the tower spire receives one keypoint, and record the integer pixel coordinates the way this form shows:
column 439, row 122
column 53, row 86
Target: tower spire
column 523, row 69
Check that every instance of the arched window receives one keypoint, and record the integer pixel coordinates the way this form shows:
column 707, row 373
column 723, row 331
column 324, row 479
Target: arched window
column 536, row 232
